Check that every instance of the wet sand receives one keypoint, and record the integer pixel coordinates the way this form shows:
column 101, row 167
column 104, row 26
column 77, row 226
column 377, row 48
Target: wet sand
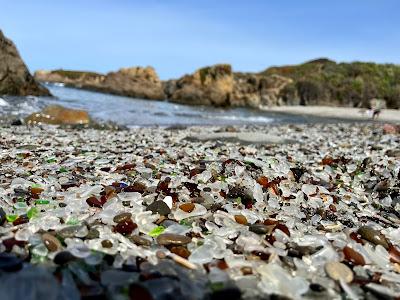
column 344, row 113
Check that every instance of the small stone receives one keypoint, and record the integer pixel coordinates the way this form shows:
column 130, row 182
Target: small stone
column 390, row 129
column 160, row 254
column 122, row 217
column 173, row 239
column 159, row 207
column 51, row 242
column 246, row 270
column 63, row 258
column 373, row 236
column 353, row 256
column 261, row 228
column 136, row 187
column 168, row 200
column 187, row 207
column 241, row 219
column 339, row 271
column 138, row 240
column 92, row 234
column 126, row 227
column 36, row 190
column 2, row 216
column 394, row 253
column 181, row 251
column 94, row 202
column 21, row 220
column 68, row 232
column 106, row 244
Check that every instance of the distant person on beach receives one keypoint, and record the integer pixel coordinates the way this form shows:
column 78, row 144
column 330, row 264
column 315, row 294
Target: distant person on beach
column 376, row 107
column 375, row 113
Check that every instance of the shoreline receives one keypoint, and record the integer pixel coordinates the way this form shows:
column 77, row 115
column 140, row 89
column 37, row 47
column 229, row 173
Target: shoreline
column 340, row 113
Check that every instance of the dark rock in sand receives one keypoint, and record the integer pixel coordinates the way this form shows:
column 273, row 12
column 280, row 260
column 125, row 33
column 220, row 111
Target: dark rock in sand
column 373, row 236
column 2, row 216
column 159, row 207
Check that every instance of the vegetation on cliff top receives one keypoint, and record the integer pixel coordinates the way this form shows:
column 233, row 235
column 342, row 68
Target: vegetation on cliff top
column 76, row 74
column 346, row 84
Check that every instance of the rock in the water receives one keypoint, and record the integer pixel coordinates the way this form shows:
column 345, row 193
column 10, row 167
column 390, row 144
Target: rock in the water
column 134, row 82
column 58, row 115
column 159, row 207
column 173, row 239
column 210, row 86
column 15, row 78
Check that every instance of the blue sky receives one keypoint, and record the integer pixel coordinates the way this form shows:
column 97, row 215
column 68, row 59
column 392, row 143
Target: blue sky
column 177, row 37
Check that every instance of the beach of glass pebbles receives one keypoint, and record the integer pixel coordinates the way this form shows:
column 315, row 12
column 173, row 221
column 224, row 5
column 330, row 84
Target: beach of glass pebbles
column 184, row 213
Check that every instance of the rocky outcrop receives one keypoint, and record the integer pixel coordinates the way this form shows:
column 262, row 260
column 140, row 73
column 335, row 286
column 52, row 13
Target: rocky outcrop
column 217, row 85
column 15, row 78
column 257, row 90
column 135, row 82
column 318, row 82
column 207, row 86
column 58, row 115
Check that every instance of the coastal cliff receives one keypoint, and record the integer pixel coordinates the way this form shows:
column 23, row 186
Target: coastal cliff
column 15, row 78
column 318, row 82
column 134, row 82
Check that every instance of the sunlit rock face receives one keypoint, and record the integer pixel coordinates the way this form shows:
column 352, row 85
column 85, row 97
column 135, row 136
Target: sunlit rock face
column 15, row 78
column 137, row 82
column 58, row 115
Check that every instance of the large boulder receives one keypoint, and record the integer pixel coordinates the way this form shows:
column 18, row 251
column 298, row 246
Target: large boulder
column 208, row 86
column 15, row 78
column 134, row 82
column 219, row 86
column 58, row 115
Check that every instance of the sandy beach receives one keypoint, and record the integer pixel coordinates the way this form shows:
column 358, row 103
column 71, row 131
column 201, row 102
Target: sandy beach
column 346, row 113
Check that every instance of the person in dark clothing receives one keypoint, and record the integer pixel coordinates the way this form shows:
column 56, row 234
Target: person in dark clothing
column 375, row 113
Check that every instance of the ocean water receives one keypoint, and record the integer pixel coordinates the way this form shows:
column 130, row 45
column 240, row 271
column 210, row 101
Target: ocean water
column 139, row 112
